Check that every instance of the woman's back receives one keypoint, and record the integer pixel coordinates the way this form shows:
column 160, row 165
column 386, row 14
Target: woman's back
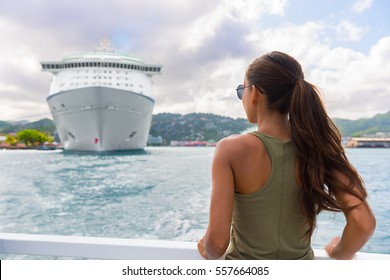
column 259, row 203
column 268, row 223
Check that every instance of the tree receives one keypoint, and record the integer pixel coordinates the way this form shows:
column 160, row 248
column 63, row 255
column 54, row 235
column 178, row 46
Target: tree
column 32, row 137
column 11, row 140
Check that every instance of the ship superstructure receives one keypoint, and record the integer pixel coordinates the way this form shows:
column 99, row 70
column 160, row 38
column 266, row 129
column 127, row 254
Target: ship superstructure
column 102, row 100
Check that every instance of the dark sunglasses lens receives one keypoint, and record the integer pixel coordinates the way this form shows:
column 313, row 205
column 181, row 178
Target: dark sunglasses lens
column 240, row 91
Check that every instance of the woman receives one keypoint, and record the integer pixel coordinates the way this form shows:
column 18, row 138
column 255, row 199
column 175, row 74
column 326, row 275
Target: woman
column 268, row 186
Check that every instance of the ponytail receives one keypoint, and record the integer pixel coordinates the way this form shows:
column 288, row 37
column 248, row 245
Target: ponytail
column 319, row 154
column 320, row 157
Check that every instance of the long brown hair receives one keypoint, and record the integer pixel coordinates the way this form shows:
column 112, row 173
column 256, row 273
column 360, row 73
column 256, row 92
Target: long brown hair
column 319, row 153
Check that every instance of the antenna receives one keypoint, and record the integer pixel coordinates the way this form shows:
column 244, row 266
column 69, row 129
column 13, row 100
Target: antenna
column 104, row 45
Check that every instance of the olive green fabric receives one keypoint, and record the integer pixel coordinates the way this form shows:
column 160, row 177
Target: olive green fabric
column 268, row 224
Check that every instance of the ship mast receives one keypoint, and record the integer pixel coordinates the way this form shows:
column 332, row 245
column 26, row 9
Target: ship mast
column 105, row 45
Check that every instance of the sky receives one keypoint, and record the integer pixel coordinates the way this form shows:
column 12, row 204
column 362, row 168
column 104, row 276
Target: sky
column 205, row 47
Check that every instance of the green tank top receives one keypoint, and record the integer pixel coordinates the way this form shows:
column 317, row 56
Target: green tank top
column 268, row 224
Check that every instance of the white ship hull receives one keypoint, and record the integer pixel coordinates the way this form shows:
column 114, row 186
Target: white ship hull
column 101, row 101
column 101, row 119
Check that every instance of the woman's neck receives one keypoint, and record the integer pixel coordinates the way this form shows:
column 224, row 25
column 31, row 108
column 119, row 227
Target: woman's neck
column 274, row 124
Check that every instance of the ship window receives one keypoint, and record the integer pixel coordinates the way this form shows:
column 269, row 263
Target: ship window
column 109, row 64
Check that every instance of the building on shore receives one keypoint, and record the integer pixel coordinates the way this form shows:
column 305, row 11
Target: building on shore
column 193, row 143
column 356, row 142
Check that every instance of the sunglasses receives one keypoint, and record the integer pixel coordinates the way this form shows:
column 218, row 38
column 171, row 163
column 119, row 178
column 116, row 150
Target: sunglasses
column 240, row 90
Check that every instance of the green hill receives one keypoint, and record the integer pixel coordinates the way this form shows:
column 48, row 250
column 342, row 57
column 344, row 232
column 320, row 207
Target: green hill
column 44, row 125
column 204, row 127
column 196, row 126
column 356, row 128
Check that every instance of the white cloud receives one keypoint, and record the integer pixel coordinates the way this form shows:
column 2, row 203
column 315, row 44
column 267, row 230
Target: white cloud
column 362, row 5
column 241, row 12
column 205, row 47
column 347, row 31
column 355, row 84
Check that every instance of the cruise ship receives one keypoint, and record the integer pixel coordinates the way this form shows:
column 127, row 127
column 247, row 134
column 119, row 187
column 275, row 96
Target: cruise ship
column 101, row 100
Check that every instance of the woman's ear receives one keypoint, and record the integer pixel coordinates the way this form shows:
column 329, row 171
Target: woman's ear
column 254, row 95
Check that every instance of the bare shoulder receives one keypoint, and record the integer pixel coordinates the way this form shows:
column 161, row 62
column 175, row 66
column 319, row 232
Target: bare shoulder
column 237, row 144
column 235, row 139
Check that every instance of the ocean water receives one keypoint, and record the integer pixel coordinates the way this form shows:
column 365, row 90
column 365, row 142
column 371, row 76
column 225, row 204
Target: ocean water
column 162, row 193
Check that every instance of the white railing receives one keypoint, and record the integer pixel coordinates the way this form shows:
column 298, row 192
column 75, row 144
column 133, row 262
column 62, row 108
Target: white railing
column 115, row 248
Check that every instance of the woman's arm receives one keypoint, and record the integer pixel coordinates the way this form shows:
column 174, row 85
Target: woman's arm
column 216, row 240
column 358, row 230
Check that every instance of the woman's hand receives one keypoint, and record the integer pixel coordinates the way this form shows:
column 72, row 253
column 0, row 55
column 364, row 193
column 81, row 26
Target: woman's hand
column 201, row 247
column 333, row 252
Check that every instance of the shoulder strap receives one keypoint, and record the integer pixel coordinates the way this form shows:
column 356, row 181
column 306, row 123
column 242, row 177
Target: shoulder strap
column 265, row 141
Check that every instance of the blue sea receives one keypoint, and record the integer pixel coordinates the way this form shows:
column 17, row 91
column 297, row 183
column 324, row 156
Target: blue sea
column 162, row 193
